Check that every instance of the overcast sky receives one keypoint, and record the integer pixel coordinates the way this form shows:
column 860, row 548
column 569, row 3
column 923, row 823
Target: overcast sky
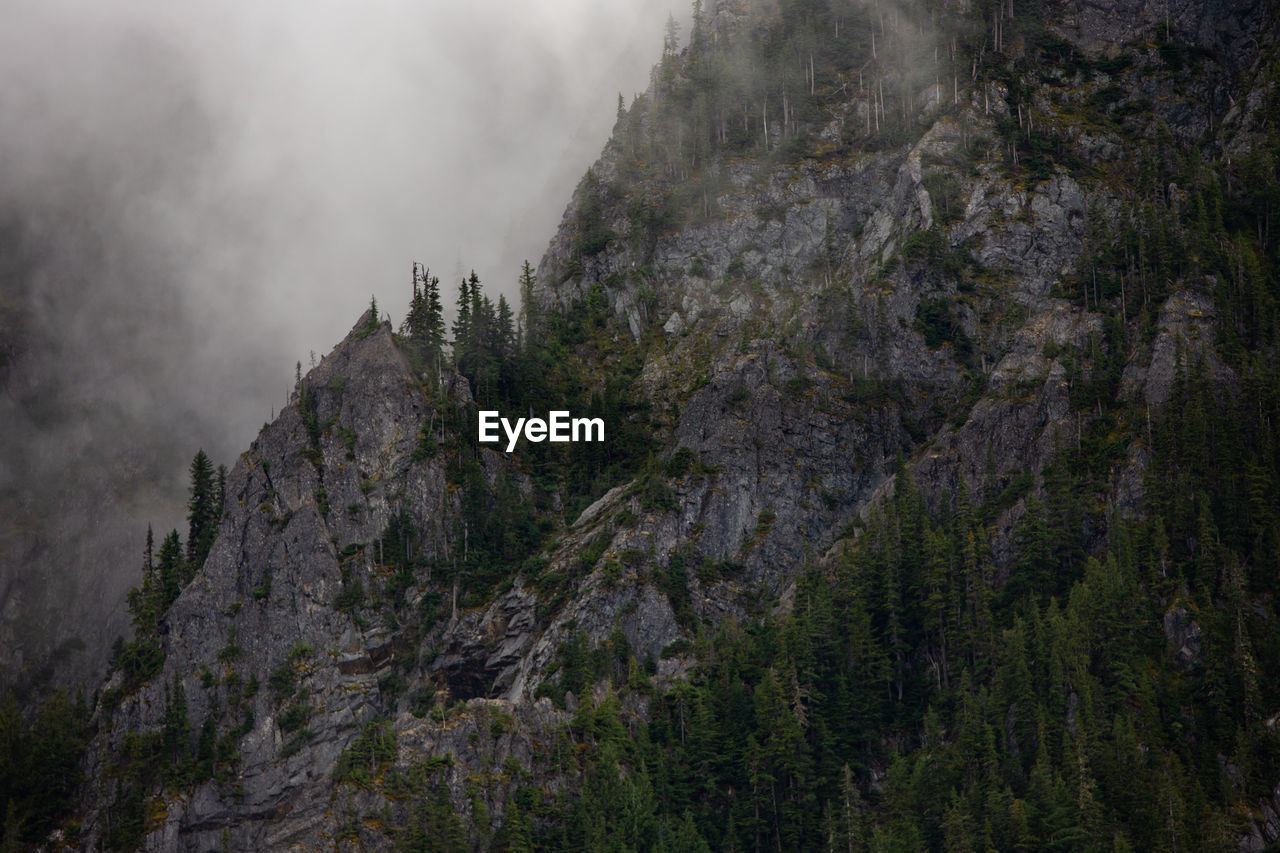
column 240, row 177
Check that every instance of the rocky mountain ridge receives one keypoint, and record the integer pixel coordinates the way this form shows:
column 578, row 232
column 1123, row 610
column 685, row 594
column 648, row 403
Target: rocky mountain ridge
column 829, row 319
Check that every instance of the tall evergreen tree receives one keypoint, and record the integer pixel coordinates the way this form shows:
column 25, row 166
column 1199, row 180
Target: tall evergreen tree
column 462, row 325
column 144, row 599
column 171, row 570
column 423, row 327
column 433, row 317
column 222, row 489
column 504, row 328
column 529, row 316
column 203, row 511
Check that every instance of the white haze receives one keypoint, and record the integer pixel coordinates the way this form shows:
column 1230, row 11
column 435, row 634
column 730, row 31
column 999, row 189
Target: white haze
column 288, row 160
column 193, row 196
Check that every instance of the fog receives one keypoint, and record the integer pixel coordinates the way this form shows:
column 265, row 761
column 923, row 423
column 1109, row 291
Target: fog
column 288, row 160
column 195, row 196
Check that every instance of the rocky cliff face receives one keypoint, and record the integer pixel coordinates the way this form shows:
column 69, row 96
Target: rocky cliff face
column 304, row 510
column 814, row 323
column 1227, row 29
column 815, row 290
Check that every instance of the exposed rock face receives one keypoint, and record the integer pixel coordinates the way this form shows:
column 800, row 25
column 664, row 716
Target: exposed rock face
column 808, row 254
column 1264, row 825
column 1225, row 28
column 1185, row 336
column 820, row 326
column 1183, row 635
column 265, row 599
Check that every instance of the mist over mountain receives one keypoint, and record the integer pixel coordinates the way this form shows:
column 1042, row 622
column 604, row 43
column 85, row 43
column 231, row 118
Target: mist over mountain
column 194, row 200
column 938, row 507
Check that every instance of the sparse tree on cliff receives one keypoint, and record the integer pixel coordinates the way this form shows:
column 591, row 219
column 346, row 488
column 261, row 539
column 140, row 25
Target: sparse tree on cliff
column 203, row 510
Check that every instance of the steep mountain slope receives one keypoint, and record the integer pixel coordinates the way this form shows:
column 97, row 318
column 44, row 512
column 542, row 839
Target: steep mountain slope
column 939, row 503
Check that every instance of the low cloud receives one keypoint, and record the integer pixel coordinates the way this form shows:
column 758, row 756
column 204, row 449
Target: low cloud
column 195, row 196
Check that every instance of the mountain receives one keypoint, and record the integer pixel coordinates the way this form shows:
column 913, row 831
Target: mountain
column 936, row 352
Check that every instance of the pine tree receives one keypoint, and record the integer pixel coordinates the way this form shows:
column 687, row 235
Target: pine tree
column 171, row 570
column 144, row 600
column 671, row 39
column 433, row 318
column 462, row 327
column 957, row 828
column 940, row 602
column 436, row 826
column 638, row 825
column 411, row 326
column 57, row 741
column 516, row 834
column 530, row 318
column 504, row 328
column 372, row 324
column 687, row 838
column 203, row 511
column 1032, row 573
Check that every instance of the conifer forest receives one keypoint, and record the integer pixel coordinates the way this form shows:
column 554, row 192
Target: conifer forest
column 938, row 350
